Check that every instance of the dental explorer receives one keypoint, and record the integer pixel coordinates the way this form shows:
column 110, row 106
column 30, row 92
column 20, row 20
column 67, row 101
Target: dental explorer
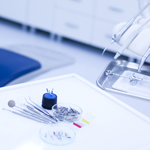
column 130, row 40
column 116, row 37
column 143, row 59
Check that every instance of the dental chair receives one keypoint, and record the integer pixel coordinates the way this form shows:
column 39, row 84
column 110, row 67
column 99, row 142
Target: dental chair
column 14, row 65
column 22, row 63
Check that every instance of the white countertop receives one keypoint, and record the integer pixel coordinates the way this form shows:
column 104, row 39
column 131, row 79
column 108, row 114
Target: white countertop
column 115, row 126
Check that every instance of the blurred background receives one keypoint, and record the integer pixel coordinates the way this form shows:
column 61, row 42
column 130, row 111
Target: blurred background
column 65, row 36
column 59, row 37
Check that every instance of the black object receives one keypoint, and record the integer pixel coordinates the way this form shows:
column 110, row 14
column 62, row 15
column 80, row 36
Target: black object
column 13, row 65
column 49, row 100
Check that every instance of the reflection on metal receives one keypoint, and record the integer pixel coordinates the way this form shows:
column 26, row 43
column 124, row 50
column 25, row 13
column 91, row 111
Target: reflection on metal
column 120, row 76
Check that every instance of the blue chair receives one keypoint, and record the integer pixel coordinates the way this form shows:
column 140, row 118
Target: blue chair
column 14, row 65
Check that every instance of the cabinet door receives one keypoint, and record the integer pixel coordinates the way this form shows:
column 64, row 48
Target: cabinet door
column 13, row 9
column 80, row 6
column 116, row 10
column 40, row 14
column 72, row 25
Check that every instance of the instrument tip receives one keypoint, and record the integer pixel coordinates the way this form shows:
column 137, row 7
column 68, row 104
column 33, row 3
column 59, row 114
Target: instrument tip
column 107, row 47
column 117, row 55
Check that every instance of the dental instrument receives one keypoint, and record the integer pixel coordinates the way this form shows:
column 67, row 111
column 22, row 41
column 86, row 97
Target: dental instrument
column 143, row 59
column 29, row 117
column 130, row 40
column 42, row 111
column 12, row 104
column 110, row 73
column 38, row 107
column 116, row 37
column 122, row 77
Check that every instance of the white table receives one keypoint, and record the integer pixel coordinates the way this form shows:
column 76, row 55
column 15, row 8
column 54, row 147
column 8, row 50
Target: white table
column 116, row 125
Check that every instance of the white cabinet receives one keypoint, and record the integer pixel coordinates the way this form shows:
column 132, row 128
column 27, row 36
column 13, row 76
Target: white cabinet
column 72, row 25
column 116, row 10
column 73, row 19
column 78, row 6
column 87, row 21
column 90, row 21
column 14, row 10
column 39, row 14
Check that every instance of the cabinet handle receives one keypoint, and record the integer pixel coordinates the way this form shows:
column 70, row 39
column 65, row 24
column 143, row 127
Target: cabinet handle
column 115, row 9
column 76, row 0
column 70, row 25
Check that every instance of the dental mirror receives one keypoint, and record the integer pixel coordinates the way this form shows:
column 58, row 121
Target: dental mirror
column 11, row 103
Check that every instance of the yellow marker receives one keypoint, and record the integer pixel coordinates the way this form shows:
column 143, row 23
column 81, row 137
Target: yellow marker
column 85, row 121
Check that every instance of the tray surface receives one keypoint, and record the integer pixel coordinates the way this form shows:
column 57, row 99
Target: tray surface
column 118, row 67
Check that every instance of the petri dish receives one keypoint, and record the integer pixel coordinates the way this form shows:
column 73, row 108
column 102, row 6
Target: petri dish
column 57, row 134
column 67, row 112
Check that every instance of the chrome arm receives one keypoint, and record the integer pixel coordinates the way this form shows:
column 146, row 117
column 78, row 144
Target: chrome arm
column 116, row 37
column 143, row 59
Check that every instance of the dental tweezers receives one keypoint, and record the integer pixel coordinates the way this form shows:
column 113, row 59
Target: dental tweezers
column 143, row 59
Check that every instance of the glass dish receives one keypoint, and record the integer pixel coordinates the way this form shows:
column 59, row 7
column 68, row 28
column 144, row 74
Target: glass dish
column 67, row 112
column 57, row 135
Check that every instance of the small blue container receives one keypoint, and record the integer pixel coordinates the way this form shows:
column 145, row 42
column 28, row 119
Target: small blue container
column 49, row 100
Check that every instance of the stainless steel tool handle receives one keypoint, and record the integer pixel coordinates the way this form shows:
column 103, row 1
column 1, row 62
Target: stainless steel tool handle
column 26, row 116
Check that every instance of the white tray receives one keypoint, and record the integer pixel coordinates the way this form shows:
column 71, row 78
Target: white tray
column 116, row 125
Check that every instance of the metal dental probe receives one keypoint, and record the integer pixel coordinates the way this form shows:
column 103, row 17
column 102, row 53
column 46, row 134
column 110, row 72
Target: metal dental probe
column 130, row 40
column 39, row 113
column 39, row 107
column 116, row 37
column 29, row 117
column 11, row 104
column 42, row 112
column 132, row 78
column 143, row 59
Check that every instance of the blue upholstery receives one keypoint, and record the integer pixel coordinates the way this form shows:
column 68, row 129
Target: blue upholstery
column 13, row 65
